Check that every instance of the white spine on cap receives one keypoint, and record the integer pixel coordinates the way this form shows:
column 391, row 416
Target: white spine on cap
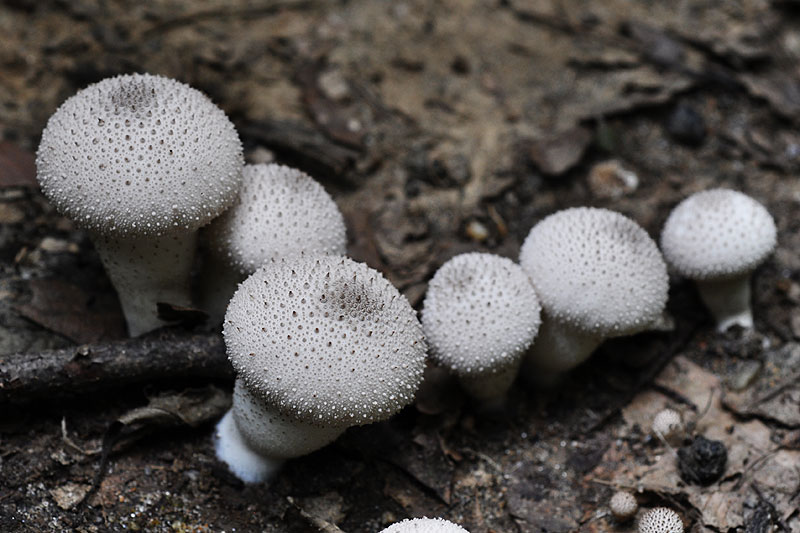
column 424, row 525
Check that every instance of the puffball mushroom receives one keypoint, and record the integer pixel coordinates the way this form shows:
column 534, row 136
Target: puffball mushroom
column 424, row 525
column 623, row 506
column 480, row 314
column 661, row 520
column 597, row 274
column 668, row 424
column 141, row 162
column 279, row 212
column 318, row 344
column 717, row 238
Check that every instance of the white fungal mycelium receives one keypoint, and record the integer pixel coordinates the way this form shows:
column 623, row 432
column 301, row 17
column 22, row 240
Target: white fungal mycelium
column 598, row 275
column 279, row 212
column 480, row 315
column 717, row 238
column 141, row 162
column 318, row 344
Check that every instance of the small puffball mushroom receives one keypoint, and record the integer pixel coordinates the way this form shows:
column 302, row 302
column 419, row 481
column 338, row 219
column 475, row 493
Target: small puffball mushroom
column 661, row 520
column 318, row 344
column 597, row 274
column 480, row 315
column 424, row 525
column 280, row 211
column 141, row 162
column 623, row 506
column 667, row 423
column 717, row 238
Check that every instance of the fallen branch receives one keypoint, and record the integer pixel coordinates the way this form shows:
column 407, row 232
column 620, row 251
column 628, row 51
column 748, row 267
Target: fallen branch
column 80, row 370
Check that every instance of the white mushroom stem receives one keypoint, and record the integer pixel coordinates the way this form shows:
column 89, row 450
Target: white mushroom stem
column 218, row 282
column 146, row 270
column 254, row 440
column 558, row 348
column 491, row 387
column 729, row 301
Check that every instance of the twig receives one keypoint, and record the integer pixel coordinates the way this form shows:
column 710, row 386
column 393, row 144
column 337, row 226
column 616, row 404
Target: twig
column 71, row 443
column 82, row 370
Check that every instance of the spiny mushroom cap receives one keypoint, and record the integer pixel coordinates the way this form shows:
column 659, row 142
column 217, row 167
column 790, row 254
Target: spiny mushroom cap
column 280, row 211
column 425, row 525
column 667, row 422
column 717, row 234
column 661, row 520
column 140, row 154
column 480, row 313
column 596, row 270
column 325, row 340
column 623, row 505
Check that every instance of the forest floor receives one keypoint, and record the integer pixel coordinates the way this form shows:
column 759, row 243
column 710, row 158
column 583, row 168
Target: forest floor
column 439, row 128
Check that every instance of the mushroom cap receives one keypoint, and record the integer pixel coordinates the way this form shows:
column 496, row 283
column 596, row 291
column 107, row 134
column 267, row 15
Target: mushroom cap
column 280, row 211
column 717, row 234
column 424, row 525
column 140, row 154
column 661, row 520
column 667, row 422
column 480, row 314
column 623, row 505
column 596, row 270
column 325, row 340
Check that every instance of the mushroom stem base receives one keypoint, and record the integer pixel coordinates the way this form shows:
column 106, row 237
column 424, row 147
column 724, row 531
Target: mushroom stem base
column 145, row 271
column 729, row 301
column 491, row 388
column 557, row 348
column 232, row 449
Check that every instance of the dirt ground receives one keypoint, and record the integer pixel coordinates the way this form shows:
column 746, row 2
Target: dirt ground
column 439, row 128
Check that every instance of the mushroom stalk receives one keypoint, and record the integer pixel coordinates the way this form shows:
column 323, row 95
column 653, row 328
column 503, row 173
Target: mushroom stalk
column 218, row 282
column 728, row 300
column 146, row 270
column 255, row 440
column 491, row 387
column 558, row 348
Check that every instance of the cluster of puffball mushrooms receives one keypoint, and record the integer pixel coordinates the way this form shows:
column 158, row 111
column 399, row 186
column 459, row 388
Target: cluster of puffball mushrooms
column 320, row 342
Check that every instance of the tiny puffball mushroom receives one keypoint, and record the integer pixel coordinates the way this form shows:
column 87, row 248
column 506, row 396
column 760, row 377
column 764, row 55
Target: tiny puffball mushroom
column 717, row 238
column 598, row 274
column 141, row 162
column 280, row 211
column 424, row 525
column 667, row 424
column 623, row 506
column 661, row 520
column 318, row 344
column 479, row 316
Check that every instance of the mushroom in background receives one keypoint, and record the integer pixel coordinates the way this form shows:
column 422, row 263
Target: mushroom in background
column 141, row 162
column 480, row 314
column 598, row 275
column 424, row 525
column 279, row 212
column 623, row 506
column 668, row 425
column 318, row 345
column 717, row 238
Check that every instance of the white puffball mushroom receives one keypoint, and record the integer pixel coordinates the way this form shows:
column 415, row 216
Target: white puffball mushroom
column 717, row 238
column 623, row 506
column 318, row 344
column 598, row 274
column 661, row 520
column 279, row 212
column 141, row 162
column 480, row 315
column 668, row 424
column 424, row 525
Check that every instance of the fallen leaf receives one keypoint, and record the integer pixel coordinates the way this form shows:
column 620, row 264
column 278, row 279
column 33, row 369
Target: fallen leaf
column 559, row 153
